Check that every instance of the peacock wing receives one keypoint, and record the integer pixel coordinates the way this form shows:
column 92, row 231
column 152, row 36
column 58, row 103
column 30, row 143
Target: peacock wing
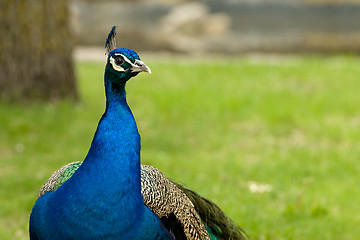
column 59, row 177
column 165, row 199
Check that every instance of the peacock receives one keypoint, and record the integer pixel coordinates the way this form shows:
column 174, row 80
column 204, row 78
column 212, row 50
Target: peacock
column 110, row 195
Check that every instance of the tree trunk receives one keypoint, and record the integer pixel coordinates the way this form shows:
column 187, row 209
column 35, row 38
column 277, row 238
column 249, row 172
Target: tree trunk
column 35, row 51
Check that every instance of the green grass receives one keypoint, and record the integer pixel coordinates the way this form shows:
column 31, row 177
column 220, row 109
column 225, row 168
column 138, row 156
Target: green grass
column 221, row 127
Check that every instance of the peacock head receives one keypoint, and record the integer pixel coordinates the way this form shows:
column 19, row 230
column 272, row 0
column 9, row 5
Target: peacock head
column 122, row 63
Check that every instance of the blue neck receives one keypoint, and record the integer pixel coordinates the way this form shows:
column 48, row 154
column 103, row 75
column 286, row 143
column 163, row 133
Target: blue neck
column 115, row 94
column 115, row 150
column 109, row 178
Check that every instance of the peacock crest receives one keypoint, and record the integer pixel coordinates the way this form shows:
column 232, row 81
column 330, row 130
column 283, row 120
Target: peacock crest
column 110, row 43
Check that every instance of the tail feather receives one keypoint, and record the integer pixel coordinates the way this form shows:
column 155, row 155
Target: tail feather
column 213, row 217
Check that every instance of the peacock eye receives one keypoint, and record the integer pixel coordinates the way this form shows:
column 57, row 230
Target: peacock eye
column 119, row 60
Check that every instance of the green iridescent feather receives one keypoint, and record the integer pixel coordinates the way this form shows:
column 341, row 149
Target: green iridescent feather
column 215, row 220
column 59, row 177
column 66, row 174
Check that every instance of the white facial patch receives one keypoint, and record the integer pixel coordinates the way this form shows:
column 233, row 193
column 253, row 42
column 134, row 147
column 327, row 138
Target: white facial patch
column 137, row 66
column 125, row 58
column 116, row 67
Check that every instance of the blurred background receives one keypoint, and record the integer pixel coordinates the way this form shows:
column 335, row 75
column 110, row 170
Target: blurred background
column 227, row 27
column 252, row 103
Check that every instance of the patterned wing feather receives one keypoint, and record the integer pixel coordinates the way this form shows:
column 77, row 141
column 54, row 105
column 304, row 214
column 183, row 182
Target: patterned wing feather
column 59, row 177
column 217, row 223
column 164, row 198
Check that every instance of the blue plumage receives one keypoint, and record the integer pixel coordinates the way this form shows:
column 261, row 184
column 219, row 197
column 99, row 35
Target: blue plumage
column 109, row 195
column 102, row 200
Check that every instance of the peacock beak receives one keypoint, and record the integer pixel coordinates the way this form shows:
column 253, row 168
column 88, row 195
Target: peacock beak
column 139, row 66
